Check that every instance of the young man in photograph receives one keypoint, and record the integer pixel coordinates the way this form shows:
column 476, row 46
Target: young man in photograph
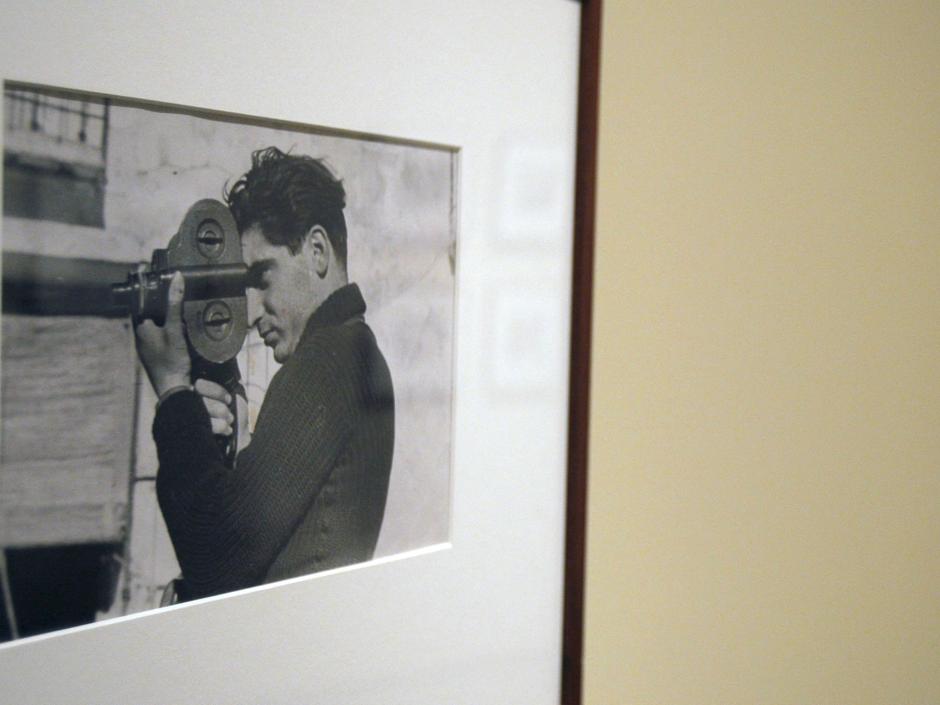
column 308, row 488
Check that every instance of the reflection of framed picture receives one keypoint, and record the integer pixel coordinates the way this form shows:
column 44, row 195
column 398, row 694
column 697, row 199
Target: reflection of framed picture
column 457, row 156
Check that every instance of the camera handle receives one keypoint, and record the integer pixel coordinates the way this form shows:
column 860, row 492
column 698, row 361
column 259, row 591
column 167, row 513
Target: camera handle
column 226, row 374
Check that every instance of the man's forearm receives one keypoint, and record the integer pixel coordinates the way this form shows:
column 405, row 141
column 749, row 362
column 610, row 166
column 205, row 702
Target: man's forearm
column 190, row 489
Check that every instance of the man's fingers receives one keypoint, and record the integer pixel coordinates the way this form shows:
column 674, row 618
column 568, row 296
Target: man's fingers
column 220, row 428
column 216, row 401
column 146, row 330
column 212, row 390
column 218, row 410
column 174, row 303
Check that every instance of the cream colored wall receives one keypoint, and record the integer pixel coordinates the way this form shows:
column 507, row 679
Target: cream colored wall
column 764, row 512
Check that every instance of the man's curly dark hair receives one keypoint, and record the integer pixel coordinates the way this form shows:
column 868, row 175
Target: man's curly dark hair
column 287, row 194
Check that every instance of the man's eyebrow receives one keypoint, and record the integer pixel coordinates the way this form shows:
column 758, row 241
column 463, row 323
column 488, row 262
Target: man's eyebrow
column 261, row 265
column 258, row 268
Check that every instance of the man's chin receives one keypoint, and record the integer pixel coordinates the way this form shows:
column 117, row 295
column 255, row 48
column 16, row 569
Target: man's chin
column 281, row 353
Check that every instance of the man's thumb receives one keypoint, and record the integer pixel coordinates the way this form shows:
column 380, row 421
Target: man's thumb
column 175, row 297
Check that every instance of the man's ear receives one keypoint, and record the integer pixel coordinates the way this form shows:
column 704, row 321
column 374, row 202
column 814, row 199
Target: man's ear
column 318, row 250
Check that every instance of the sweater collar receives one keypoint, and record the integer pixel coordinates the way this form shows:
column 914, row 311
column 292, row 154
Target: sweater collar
column 343, row 304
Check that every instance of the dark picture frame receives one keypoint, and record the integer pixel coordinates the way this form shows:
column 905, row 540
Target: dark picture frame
column 580, row 360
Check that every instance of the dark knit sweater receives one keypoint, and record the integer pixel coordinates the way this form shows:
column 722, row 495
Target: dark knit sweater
column 308, row 493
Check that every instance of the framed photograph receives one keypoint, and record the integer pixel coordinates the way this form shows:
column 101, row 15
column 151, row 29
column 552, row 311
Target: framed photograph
column 361, row 445
column 295, row 344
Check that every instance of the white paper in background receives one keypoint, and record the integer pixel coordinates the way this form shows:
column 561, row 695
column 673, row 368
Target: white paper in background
column 529, row 341
column 479, row 622
column 534, row 208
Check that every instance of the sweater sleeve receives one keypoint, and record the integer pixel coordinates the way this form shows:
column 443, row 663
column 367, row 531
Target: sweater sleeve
column 227, row 525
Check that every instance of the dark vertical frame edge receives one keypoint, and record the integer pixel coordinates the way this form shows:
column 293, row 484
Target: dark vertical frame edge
column 580, row 360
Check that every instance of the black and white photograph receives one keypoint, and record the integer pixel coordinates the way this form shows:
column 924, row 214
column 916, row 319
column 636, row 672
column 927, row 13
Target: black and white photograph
column 227, row 353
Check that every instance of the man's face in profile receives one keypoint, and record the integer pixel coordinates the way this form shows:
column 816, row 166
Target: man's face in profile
column 282, row 291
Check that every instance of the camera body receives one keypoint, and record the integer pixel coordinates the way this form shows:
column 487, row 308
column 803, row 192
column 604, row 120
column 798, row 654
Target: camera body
column 207, row 252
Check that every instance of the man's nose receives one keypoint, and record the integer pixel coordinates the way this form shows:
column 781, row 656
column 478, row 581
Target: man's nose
column 254, row 306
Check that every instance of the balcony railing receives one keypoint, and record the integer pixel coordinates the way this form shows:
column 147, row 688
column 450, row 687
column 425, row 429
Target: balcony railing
column 55, row 118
